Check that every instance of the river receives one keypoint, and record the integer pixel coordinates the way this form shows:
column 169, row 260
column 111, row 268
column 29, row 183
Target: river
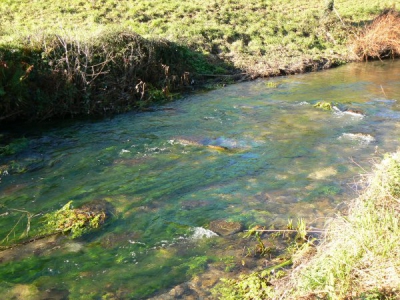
column 254, row 153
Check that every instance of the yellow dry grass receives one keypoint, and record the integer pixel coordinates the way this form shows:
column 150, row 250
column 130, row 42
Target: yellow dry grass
column 380, row 39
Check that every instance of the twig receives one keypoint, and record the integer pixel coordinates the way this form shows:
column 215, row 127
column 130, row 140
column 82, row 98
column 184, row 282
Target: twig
column 284, row 230
column 39, row 237
column 10, row 115
column 339, row 16
column 383, row 91
column 217, row 75
column 357, row 164
column 12, row 230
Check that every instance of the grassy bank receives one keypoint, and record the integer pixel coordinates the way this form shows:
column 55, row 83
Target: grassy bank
column 357, row 258
column 69, row 58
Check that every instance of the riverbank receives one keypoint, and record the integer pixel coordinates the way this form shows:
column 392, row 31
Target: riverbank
column 355, row 258
column 123, row 56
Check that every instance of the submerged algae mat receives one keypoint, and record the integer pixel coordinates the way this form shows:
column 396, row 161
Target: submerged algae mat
column 254, row 153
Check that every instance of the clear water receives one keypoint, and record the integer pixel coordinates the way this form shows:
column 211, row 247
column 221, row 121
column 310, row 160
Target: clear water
column 256, row 152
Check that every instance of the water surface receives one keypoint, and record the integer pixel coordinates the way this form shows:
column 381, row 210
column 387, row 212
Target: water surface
column 255, row 153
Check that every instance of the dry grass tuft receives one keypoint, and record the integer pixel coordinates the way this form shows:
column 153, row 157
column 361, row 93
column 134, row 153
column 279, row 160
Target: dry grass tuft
column 380, row 39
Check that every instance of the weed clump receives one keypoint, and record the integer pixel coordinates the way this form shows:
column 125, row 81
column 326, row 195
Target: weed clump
column 380, row 39
column 323, row 105
column 74, row 222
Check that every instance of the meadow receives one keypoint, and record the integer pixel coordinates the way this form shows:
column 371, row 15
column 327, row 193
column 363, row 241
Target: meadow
column 73, row 58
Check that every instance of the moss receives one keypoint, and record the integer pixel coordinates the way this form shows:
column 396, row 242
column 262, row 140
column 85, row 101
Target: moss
column 323, row 105
column 73, row 222
column 253, row 286
column 14, row 147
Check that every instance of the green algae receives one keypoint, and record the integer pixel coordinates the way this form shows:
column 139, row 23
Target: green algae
column 324, row 105
column 74, row 222
column 162, row 189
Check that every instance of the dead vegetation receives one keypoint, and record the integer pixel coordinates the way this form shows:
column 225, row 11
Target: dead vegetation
column 381, row 39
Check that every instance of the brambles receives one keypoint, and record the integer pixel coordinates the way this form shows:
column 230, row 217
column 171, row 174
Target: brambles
column 62, row 76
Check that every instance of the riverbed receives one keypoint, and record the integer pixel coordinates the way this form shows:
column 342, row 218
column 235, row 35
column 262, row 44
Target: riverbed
column 254, row 153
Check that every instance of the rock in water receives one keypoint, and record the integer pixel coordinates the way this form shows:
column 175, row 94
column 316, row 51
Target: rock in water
column 225, row 228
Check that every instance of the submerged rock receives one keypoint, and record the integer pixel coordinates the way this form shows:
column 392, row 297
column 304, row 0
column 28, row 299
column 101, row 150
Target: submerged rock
column 22, row 291
column 178, row 291
column 219, row 144
column 192, row 204
column 37, row 248
column 354, row 112
column 99, row 206
column 349, row 111
column 225, row 228
column 218, row 148
column 362, row 137
column 323, row 173
column 73, row 246
column 113, row 239
column 187, row 141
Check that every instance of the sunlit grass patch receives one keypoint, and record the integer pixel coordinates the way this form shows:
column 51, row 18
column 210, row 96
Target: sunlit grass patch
column 256, row 38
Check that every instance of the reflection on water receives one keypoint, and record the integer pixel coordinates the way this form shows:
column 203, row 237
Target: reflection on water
column 251, row 153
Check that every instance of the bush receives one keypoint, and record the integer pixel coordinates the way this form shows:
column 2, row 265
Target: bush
column 380, row 39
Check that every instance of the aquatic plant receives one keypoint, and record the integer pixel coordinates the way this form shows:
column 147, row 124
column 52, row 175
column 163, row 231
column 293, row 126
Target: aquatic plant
column 14, row 147
column 323, row 105
column 73, row 222
column 253, row 286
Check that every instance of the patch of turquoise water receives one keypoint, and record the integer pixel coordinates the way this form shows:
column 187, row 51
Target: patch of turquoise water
column 247, row 153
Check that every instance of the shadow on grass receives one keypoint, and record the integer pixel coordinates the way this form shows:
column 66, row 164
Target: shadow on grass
column 117, row 72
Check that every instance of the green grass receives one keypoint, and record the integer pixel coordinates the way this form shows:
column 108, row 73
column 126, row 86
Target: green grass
column 68, row 57
column 277, row 32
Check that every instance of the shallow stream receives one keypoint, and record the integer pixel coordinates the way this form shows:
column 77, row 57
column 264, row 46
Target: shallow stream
column 257, row 153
